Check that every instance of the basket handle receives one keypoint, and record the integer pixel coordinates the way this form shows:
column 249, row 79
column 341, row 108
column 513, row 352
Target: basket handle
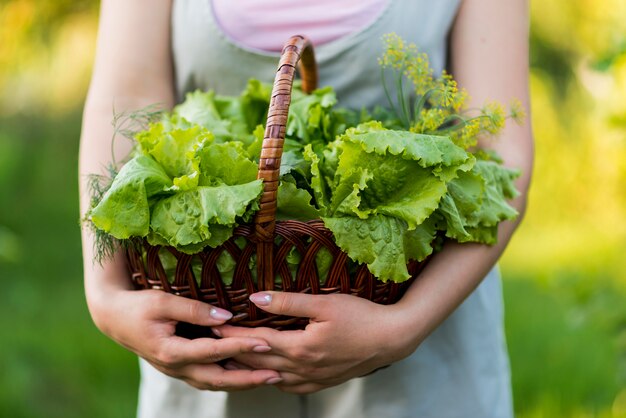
column 298, row 50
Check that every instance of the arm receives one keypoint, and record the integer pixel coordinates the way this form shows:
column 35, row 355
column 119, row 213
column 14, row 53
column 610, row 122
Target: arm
column 489, row 54
column 133, row 69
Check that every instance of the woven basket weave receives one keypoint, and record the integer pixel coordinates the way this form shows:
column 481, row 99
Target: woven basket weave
column 269, row 239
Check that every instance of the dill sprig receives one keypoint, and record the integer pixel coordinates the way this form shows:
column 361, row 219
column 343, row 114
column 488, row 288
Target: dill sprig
column 130, row 123
column 126, row 124
column 439, row 105
column 104, row 245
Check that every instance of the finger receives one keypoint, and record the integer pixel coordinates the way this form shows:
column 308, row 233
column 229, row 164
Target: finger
column 282, row 342
column 214, row 377
column 234, row 365
column 207, row 350
column 291, row 372
column 191, row 311
column 302, row 389
column 267, row 361
column 290, row 304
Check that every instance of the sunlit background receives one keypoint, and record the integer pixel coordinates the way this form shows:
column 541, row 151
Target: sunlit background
column 565, row 271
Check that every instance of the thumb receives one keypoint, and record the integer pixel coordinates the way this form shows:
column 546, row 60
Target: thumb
column 192, row 311
column 290, row 304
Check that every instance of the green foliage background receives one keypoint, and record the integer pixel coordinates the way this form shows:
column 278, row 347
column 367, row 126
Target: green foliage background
column 565, row 271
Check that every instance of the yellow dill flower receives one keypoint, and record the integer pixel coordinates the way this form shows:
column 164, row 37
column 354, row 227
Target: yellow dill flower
column 432, row 119
column 458, row 102
column 394, row 55
column 418, row 71
column 467, row 136
column 447, row 90
column 417, row 128
column 438, row 100
column 493, row 117
column 516, row 111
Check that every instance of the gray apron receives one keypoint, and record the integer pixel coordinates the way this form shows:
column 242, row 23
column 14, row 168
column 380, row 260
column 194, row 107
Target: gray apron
column 461, row 369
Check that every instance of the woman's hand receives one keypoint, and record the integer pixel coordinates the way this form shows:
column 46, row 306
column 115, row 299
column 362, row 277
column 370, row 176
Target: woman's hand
column 145, row 322
column 133, row 69
column 347, row 337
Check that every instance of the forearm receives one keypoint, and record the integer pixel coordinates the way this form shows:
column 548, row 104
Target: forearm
column 132, row 70
column 96, row 153
column 489, row 58
column 448, row 279
column 453, row 273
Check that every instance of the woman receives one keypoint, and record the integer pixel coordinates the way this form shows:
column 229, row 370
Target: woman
column 153, row 52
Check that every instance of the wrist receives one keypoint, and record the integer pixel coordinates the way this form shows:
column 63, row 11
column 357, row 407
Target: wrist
column 407, row 331
column 105, row 299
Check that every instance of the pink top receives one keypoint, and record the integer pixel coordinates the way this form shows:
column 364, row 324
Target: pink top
column 264, row 25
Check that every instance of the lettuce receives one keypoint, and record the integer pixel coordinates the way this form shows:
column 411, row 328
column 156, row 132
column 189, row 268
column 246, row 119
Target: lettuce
column 476, row 202
column 190, row 183
column 124, row 210
column 189, row 217
column 295, row 203
column 385, row 187
column 310, row 116
column 386, row 194
column 382, row 242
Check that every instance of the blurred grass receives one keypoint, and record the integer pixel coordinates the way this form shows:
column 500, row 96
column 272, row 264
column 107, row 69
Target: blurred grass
column 567, row 350
column 55, row 362
column 565, row 271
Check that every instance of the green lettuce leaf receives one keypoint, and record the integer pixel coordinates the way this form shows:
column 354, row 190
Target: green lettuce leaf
column 383, row 243
column 293, row 161
column 226, row 163
column 429, row 151
column 199, row 108
column 294, row 203
column 124, row 210
column 319, row 183
column 476, row 202
column 310, row 115
column 176, row 152
column 347, row 196
column 385, row 184
column 191, row 218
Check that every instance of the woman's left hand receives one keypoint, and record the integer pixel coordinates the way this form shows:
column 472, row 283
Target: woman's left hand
column 346, row 337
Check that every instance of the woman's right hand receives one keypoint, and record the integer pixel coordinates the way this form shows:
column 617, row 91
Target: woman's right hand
column 144, row 321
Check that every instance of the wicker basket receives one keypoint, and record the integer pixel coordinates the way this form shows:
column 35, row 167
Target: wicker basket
column 269, row 239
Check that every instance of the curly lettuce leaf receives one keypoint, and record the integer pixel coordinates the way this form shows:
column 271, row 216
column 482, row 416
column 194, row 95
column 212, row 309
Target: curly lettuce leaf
column 382, row 242
column 386, row 187
column 391, row 176
column 294, row 203
column 429, row 151
column 346, row 198
column 246, row 111
column 124, row 210
column 175, row 151
column 293, row 161
column 476, row 202
column 310, row 115
column 189, row 219
column 199, row 109
column 226, row 163
column 319, row 183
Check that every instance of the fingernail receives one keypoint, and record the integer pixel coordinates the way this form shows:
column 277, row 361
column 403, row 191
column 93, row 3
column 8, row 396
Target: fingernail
column 262, row 299
column 273, row 380
column 220, row 314
column 261, row 348
column 217, row 332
